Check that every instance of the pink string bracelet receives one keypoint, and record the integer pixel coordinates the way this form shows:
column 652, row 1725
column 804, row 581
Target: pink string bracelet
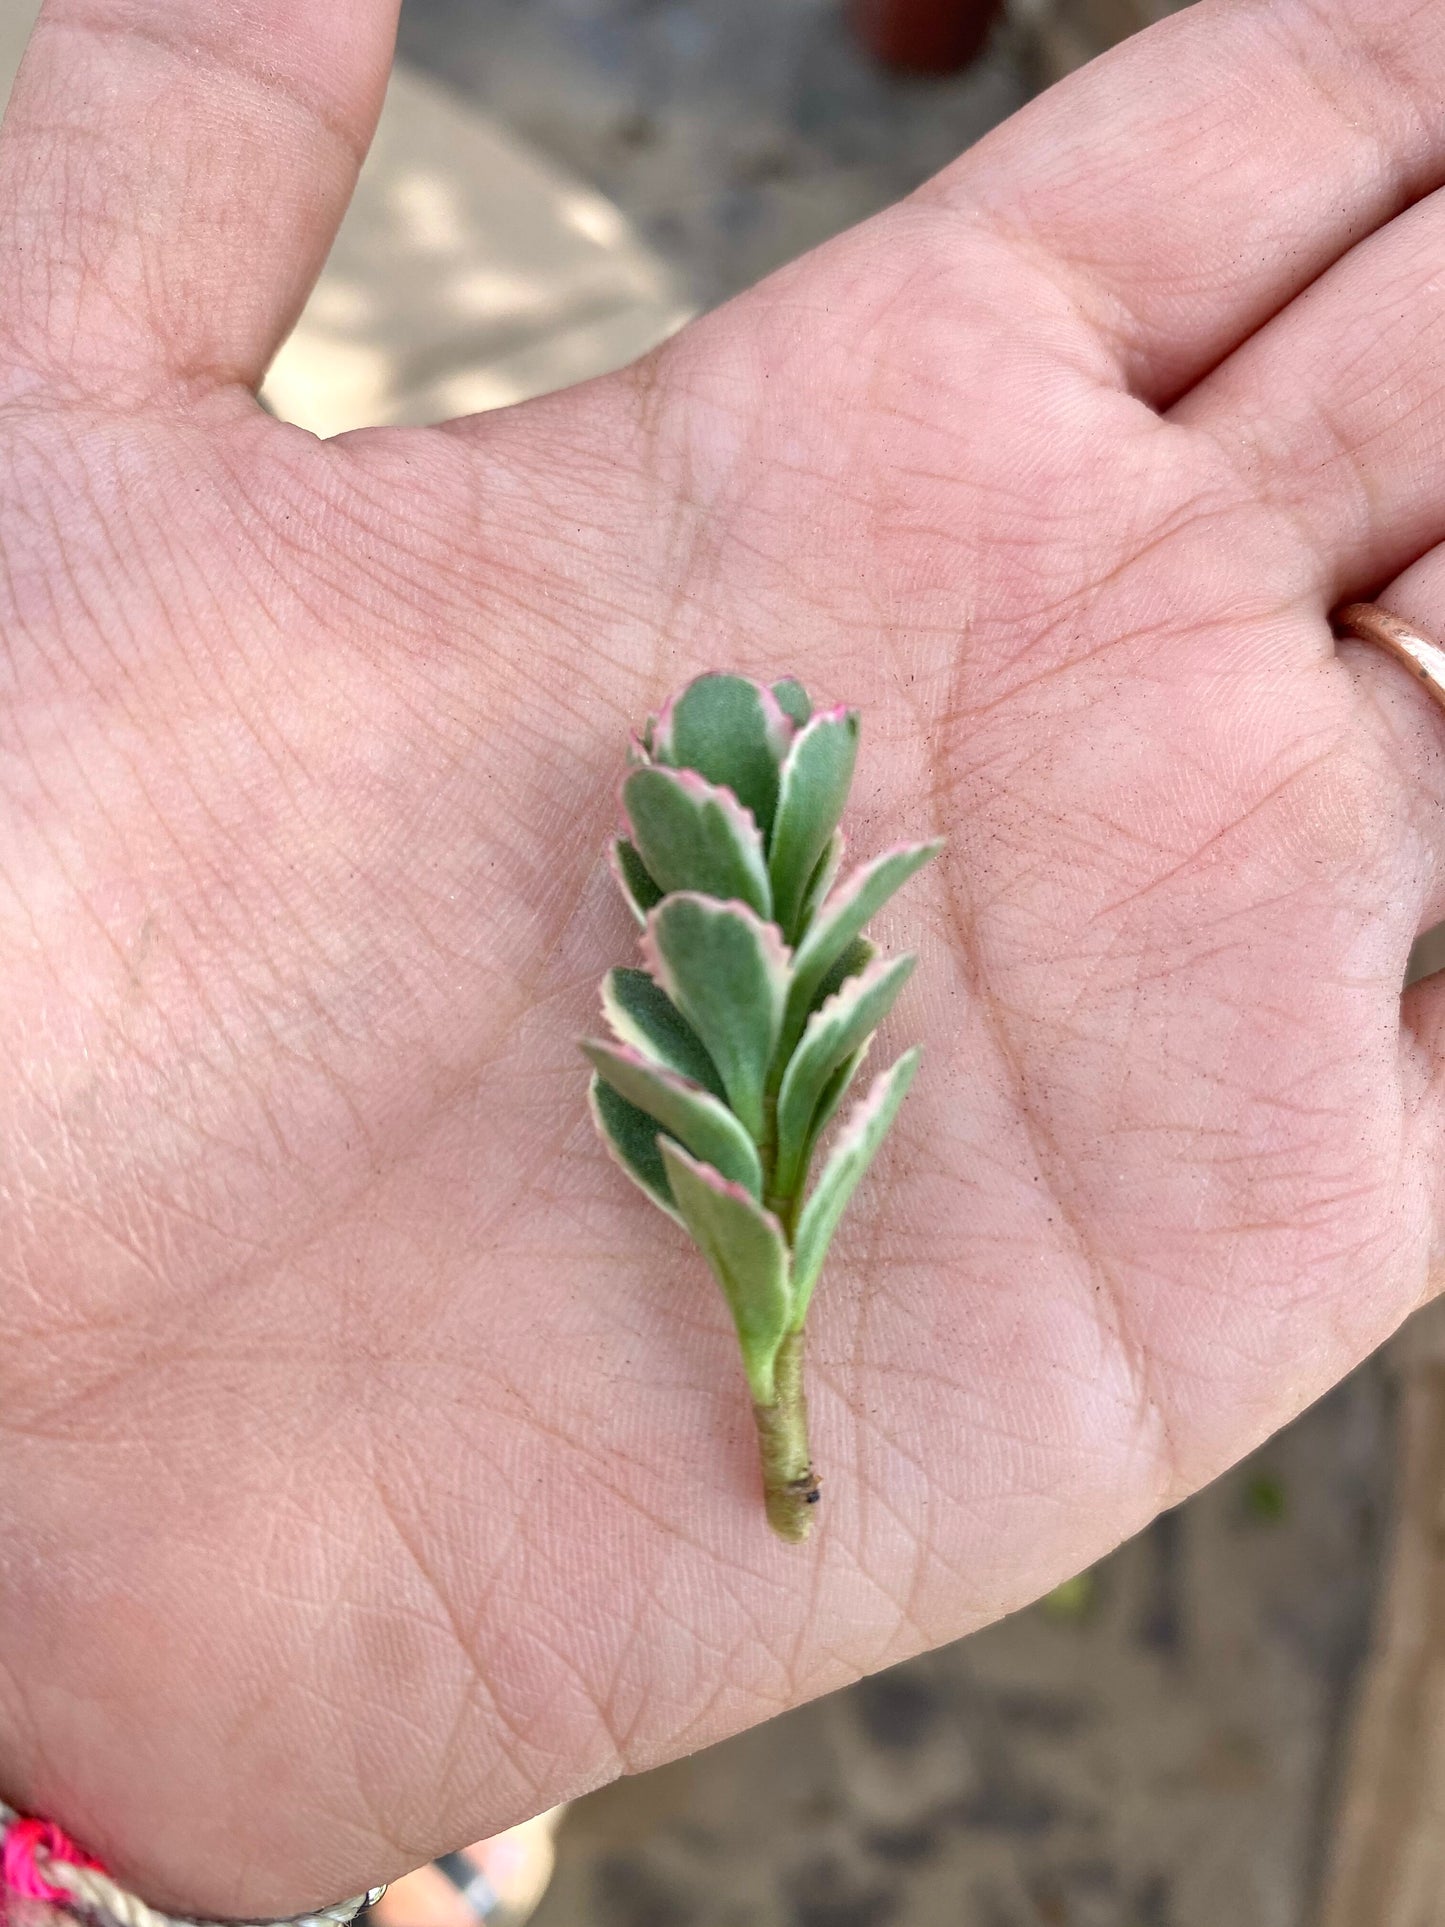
column 26, row 1843
column 40, row 1862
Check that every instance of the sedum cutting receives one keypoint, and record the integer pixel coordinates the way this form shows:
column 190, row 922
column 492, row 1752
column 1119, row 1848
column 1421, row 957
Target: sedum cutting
column 735, row 1046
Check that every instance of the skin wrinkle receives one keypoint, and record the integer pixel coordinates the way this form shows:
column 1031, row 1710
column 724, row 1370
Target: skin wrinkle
column 318, row 521
column 1391, row 165
column 1272, row 476
column 78, row 896
column 906, row 1600
column 1101, row 344
column 1150, row 1415
column 43, row 363
column 463, row 1635
column 1395, row 94
column 976, row 711
column 1376, row 465
column 1381, row 719
column 718, row 1659
column 63, row 569
column 693, row 556
column 242, row 1274
column 1224, row 835
column 186, row 380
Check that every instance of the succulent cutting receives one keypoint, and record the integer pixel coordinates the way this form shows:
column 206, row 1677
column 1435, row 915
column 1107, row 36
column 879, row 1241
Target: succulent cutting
column 734, row 1047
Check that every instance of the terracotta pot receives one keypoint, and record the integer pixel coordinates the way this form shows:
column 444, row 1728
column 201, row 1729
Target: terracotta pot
column 925, row 36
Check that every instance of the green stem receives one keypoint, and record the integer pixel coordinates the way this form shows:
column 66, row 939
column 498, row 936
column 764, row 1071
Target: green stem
column 790, row 1485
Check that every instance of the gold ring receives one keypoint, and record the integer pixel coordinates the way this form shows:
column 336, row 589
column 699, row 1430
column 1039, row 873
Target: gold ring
column 1368, row 622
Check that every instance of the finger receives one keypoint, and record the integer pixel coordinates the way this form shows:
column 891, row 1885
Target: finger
column 1185, row 187
column 1400, row 734
column 172, row 173
column 1335, row 409
column 1401, row 731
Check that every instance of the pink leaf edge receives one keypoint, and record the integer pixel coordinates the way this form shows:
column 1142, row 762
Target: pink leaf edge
column 702, row 791
column 855, row 1125
column 857, row 879
column 776, row 954
column 708, row 1175
column 777, row 723
column 839, row 713
column 853, row 989
column 629, row 1054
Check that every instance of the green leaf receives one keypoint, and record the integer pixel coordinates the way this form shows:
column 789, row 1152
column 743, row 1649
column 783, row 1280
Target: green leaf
column 733, row 732
column 850, row 1157
column 727, row 972
column 683, row 1109
column 834, row 1032
column 854, row 960
column 631, row 1136
column 839, row 920
column 824, row 876
column 637, row 887
column 692, row 835
column 744, row 1245
column 641, row 1014
column 833, row 1093
column 813, row 788
column 793, row 700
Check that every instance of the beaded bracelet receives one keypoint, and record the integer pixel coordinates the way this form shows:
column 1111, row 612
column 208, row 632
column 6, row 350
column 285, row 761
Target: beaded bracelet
column 40, row 1862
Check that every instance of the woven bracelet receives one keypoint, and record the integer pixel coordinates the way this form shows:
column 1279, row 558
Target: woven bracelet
column 39, row 1862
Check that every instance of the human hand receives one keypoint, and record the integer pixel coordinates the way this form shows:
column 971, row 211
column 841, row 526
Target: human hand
column 375, row 1464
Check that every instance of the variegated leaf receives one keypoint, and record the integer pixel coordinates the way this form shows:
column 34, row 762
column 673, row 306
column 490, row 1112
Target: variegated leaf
column 833, row 1033
column 727, row 972
column 632, row 1138
column 813, row 788
column 639, row 892
column 832, row 1095
column 857, row 1143
column 825, row 875
column 744, row 1244
column 683, row 1109
column 793, row 700
column 853, row 961
column 732, row 731
column 639, row 1012
column 692, row 835
column 839, row 920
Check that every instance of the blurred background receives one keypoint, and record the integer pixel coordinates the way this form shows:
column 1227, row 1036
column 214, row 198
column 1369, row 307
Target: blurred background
column 1226, row 1721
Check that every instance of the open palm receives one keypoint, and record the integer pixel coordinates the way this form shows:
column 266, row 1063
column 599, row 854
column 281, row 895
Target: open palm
column 374, row 1463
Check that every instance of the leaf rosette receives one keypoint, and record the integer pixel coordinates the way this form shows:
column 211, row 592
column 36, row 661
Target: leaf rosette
column 734, row 1048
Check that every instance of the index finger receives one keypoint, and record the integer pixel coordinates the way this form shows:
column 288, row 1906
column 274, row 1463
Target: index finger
column 1188, row 185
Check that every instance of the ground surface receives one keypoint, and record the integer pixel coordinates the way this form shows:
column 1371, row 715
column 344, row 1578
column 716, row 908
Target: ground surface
column 736, row 133
column 1163, row 1757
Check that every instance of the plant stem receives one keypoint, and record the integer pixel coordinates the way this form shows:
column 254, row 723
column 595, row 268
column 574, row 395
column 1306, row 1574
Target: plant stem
column 790, row 1485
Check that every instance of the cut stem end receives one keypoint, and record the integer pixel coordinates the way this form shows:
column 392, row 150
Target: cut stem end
column 790, row 1485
